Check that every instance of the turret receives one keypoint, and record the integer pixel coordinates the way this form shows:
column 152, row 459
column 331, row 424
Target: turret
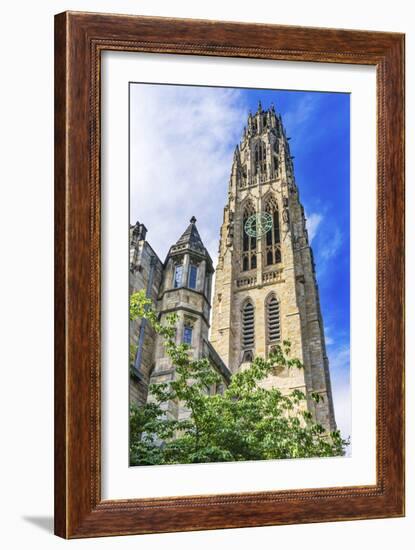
column 265, row 287
column 186, row 291
column 188, row 264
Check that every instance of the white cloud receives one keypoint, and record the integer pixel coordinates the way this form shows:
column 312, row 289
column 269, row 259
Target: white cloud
column 313, row 221
column 343, row 412
column 328, row 246
column 182, row 143
column 331, row 245
column 339, row 361
column 340, row 358
column 295, row 119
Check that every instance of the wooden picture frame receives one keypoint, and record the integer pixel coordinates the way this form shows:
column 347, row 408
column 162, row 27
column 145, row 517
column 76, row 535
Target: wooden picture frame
column 79, row 40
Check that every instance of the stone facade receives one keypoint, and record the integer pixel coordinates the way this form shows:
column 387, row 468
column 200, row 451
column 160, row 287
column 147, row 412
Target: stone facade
column 265, row 288
column 146, row 272
column 181, row 285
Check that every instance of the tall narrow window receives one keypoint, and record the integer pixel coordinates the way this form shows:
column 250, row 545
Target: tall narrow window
column 192, row 276
column 275, row 163
column 178, row 276
column 187, row 335
column 260, row 166
column 275, row 156
column 273, row 320
column 248, row 242
column 272, row 240
column 248, row 326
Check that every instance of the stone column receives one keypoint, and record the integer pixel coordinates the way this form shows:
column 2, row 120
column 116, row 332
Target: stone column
column 185, row 274
column 180, row 328
column 168, row 281
column 201, row 276
column 208, row 286
column 197, row 343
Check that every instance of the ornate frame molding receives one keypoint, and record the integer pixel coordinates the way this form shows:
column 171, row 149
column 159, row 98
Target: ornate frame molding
column 79, row 40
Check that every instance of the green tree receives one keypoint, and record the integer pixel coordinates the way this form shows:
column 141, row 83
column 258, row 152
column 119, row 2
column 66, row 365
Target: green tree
column 245, row 422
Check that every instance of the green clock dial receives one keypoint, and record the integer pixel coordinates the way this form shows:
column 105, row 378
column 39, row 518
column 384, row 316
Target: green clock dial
column 258, row 224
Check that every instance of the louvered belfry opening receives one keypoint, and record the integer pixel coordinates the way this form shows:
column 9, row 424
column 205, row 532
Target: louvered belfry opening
column 248, row 326
column 273, row 318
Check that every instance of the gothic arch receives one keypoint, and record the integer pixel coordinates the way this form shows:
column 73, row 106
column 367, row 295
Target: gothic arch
column 271, row 294
column 248, row 204
column 270, row 200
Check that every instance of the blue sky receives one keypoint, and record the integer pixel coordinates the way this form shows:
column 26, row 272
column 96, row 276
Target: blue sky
column 182, row 143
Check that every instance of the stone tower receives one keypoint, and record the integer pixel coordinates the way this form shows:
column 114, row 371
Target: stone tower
column 186, row 291
column 265, row 287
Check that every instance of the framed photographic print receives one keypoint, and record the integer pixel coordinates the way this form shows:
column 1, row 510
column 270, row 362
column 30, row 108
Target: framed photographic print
column 229, row 334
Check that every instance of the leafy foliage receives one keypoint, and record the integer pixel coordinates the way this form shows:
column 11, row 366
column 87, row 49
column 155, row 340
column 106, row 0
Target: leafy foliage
column 245, row 422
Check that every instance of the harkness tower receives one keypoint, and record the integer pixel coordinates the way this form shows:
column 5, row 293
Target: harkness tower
column 265, row 288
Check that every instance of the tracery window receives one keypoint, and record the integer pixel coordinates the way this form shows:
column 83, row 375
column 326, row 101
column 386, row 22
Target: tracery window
column 273, row 320
column 275, row 156
column 248, row 326
column 248, row 243
column 260, row 157
column 272, row 239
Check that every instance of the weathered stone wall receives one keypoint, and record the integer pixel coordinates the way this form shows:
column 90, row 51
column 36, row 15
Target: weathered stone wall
column 292, row 280
column 146, row 271
column 190, row 305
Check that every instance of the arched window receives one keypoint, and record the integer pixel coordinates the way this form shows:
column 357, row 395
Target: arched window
column 248, row 242
column 272, row 239
column 275, row 163
column 273, row 320
column 275, row 149
column 248, row 326
column 260, row 164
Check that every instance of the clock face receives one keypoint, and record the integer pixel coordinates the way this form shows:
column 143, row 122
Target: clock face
column 258, row 224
